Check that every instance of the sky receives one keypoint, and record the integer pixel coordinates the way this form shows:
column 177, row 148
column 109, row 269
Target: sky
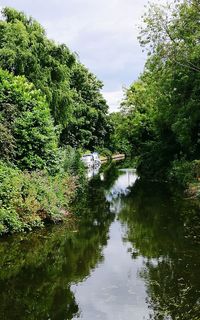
column 102, row 32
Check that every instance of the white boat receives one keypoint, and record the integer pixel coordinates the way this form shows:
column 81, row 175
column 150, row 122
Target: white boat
column 91, row 160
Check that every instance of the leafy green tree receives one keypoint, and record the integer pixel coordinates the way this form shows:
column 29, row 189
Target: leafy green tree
column 120, row 136
column 25, row 50
column 164, row 104
column 90, row 125
column 72, row 92
column 28, row 137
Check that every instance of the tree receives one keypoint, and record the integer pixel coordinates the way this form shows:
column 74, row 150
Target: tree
column 25, row 50
column 90, row 125
column 28, row 136
column 72, row 92
column 165, row 106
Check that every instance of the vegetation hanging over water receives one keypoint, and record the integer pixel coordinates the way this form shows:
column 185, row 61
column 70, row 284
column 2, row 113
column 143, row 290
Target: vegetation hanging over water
column 160, row 114
column 49, row 104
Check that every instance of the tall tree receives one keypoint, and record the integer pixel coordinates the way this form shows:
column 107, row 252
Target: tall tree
column 72, row 92
column 169, row 101
column 90, row 124
column 27, row 134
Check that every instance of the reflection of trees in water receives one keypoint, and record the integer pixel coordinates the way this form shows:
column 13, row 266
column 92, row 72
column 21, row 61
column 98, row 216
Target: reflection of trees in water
column 160, row 228
column 111, row 173
column 37, row 270
column 173, row 287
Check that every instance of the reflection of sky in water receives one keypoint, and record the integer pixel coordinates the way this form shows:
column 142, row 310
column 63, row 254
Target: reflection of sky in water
column 114, row 290
column 120, row 188
column 92, row 171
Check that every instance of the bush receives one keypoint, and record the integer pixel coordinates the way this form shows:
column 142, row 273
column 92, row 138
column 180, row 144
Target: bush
column 7, row 143
column 182, row 172
column 71, row 160
column 29, row 199
column 105, row 152
column 71, row 163
column 25, row 119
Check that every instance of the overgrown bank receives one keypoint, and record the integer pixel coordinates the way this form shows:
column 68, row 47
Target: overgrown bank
column 50, row 107
column 38, row 178
column 30, row 199
column 159, row 122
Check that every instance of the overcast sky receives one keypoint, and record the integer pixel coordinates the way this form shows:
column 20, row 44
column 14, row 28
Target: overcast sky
column 102, row 32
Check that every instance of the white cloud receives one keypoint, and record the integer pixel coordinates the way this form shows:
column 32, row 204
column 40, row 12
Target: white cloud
column 113, row 99
column 103, row 33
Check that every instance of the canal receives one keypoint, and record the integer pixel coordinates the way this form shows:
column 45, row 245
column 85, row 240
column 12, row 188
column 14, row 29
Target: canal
column 132, row 253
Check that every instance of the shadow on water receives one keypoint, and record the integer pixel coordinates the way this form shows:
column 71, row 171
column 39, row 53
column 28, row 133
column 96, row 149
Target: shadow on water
column 164, row 228
column 37, row 270
column 133, row 253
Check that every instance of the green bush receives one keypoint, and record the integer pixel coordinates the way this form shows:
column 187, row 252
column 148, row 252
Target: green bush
column 105, row 152
column 29, row 199
column 7, row 143
column 26, row 122
column 182, row 172
column 197, row 168
column 71, row 163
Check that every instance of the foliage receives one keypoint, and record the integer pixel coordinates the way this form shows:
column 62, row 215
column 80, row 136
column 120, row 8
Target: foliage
column 56, row 257
column 25, row 50
column 104, row 152
column 163, row 230
column 89, row 126
column 72, row 92
column 119, row 139
column 50, row 105
column 71, row 162
column 7, row 143
column 163, row 105
column 28, row 137
column 28, row 199
column 183, row 172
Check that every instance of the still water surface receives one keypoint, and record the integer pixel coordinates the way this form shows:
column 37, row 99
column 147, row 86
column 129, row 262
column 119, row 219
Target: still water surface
column 132, row 255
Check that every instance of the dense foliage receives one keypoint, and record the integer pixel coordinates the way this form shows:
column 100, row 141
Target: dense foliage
column 89, row 126
column 161, row 110
column 49, row 104
column 29, row 199
column 119, row 138
column 72, row 92
column 165, row 230
column 55, row 257
column 28, row 136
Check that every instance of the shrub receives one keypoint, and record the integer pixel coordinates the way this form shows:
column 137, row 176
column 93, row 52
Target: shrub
column 29, row 199
column 25, row 119
column 182, row 172
column 105, row 152
column 71, row 163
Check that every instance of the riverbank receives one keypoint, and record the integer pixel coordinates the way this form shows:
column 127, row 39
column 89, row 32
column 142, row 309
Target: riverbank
column 153, row 230
column 193, row 190
column 193, row 187
column 30, row 200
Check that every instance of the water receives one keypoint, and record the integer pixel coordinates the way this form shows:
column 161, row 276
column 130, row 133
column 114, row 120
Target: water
column 132, row 254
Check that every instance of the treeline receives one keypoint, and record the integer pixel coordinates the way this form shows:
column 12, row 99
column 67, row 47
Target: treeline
column 70, row 90
column 159, row 121
column 50, row 105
